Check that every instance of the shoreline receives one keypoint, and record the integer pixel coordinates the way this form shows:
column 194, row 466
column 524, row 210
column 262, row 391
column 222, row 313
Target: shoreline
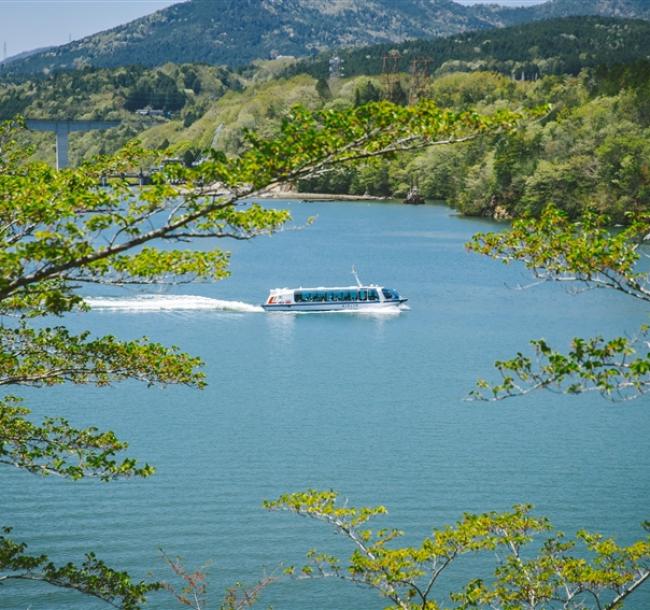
column 321, row 196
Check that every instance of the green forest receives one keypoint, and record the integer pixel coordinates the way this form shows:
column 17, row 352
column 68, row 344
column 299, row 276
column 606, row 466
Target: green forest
column 590, row 145
column 555, row 46
column 592, row 149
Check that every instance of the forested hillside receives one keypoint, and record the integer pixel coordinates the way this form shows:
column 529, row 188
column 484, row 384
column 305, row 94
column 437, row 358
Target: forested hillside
column 236, row 32
column 592, row 148
column 183, row 93
column 606, row 8
column 558, row 46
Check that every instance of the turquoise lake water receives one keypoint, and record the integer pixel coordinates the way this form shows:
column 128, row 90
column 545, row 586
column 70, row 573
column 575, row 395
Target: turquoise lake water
column 369, row 405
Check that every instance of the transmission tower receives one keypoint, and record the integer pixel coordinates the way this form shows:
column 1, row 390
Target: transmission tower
column 390, row 74
column 420, row 73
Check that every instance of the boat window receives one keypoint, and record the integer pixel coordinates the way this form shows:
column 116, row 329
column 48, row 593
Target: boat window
column 349, row 295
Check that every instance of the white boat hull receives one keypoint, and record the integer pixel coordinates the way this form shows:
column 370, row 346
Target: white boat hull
column 328, row 306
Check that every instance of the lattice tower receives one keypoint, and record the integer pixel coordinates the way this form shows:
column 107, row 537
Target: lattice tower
column 420, row 75
column 390, row 73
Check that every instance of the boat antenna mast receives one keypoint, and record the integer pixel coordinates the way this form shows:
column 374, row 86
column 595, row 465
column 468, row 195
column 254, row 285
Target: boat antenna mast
column 356, row 276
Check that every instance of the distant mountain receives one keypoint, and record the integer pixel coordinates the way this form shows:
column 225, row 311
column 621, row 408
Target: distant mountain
column 236, row 32
column 639, row 9
column 564, row 45
column 24, row 55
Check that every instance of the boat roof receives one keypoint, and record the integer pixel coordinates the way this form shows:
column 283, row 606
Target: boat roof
column 355, row 287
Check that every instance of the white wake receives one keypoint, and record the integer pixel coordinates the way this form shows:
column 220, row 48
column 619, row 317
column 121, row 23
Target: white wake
column 172, row 302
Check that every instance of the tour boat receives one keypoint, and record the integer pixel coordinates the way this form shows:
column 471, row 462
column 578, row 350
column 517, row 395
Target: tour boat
column 343, row 298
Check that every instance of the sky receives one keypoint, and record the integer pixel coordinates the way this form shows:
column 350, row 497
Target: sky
column 30, row 24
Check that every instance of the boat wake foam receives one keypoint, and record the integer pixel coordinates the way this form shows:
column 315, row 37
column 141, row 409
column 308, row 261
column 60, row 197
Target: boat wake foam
column 176, row 302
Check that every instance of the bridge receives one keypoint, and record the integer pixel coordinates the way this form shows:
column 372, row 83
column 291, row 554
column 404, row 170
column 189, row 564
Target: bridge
column 62, row 129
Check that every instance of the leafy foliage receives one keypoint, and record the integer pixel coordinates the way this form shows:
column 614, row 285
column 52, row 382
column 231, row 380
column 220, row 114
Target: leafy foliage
column 606, row 366
column 315, row 141
column 55, row 447
column 556, row 249
column 159, row 92
column 529, row 574
column 49, row 356
column 93, row 577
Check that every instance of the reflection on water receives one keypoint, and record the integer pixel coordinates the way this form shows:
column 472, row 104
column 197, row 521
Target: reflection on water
column 281, row 326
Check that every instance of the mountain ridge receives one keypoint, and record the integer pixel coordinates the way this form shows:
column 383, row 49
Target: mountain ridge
column 563, row 45
column 236, row 32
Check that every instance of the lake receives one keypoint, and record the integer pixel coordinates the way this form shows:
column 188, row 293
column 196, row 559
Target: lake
column 369, row 405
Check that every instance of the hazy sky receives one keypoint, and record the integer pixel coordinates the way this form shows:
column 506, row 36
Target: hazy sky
column 29, row 24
